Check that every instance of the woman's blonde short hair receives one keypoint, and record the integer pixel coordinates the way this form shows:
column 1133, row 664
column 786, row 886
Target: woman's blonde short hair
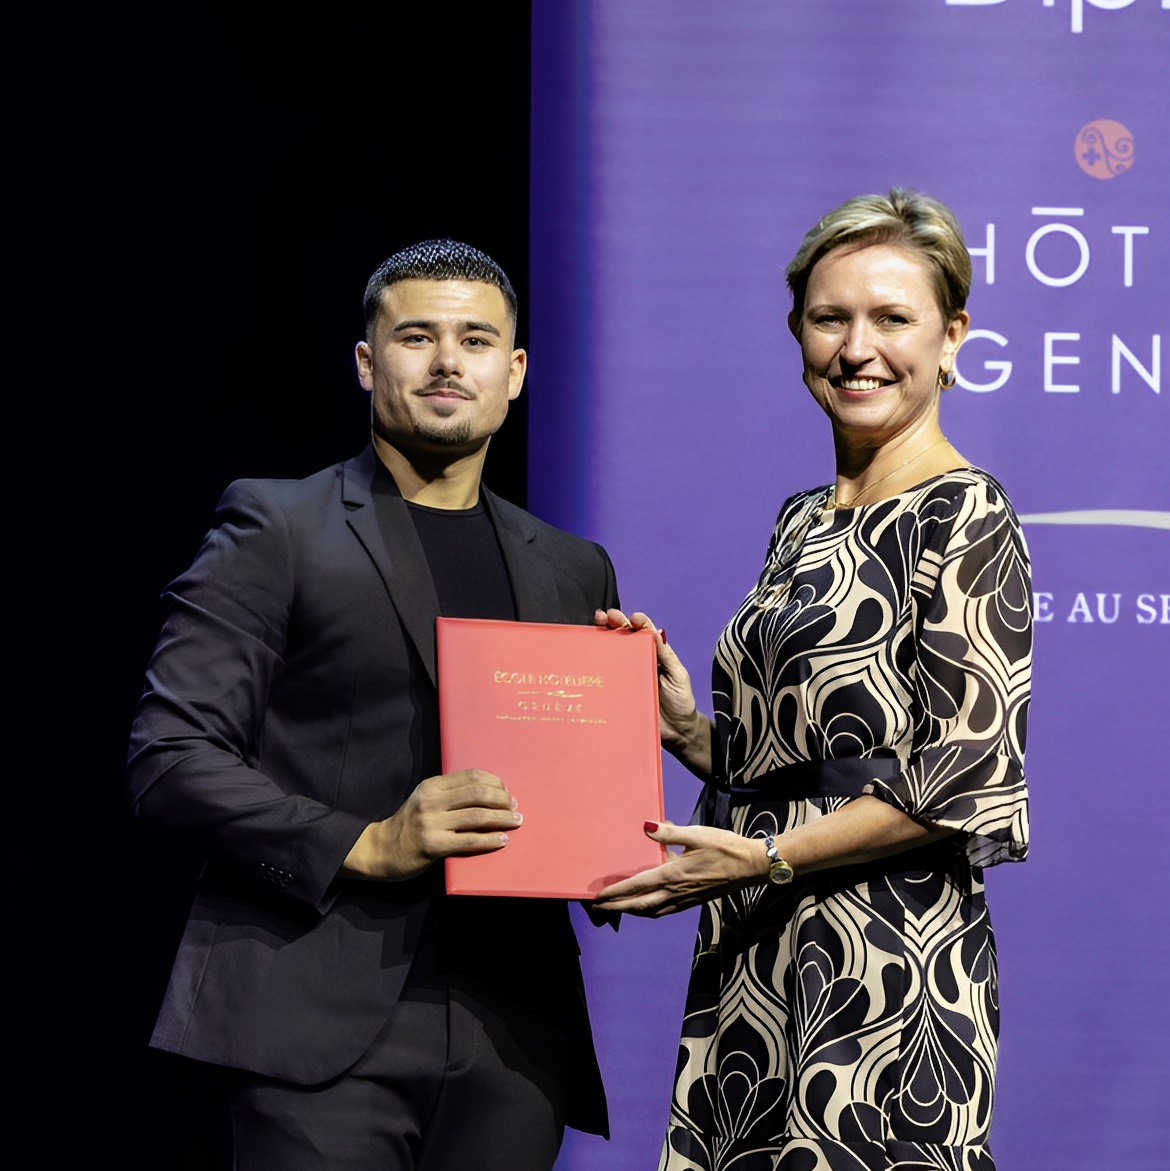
column 905, row 218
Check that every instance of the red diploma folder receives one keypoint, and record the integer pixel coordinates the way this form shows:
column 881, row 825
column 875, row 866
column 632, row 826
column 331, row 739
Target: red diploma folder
column 567, row 718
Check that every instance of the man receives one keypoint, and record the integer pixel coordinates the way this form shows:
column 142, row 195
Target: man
column 290, row 727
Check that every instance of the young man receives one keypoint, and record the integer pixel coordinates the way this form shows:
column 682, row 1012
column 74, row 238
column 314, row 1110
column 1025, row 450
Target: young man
column 289, row 725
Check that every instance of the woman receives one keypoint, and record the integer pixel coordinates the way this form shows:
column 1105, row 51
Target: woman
column 865, row 758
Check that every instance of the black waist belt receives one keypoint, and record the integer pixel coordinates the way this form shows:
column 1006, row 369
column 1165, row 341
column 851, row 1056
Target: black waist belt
column 794, row 782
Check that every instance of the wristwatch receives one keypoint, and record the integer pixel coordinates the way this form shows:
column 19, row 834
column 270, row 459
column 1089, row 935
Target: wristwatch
column 779, row 872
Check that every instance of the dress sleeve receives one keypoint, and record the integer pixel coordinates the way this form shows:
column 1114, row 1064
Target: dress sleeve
column 972, row 654
column 195, row 744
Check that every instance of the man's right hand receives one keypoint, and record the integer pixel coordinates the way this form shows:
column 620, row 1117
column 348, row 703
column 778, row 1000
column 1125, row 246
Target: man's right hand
column 468, row 812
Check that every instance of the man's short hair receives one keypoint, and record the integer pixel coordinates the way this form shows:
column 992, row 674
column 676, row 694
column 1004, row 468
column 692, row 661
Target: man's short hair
column 435, row 260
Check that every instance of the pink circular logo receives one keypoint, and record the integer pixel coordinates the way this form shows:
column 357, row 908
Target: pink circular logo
column 1104, row 149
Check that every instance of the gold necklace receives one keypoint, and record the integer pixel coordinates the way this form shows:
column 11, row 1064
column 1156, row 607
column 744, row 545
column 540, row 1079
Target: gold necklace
column 832, row 504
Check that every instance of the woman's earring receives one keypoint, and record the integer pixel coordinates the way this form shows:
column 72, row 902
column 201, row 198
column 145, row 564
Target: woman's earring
column 947, row 379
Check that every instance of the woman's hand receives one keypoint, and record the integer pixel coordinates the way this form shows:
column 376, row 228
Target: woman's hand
column 716, row 862
column 686, row 732
column 713, row 862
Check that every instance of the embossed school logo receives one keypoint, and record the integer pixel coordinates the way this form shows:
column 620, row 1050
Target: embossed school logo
column 1104, row 149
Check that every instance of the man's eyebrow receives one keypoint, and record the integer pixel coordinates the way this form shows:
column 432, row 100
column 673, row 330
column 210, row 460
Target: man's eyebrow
column 480, row 327
column 468, row 326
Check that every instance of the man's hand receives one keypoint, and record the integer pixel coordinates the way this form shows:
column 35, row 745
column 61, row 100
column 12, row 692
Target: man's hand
column 468, row 812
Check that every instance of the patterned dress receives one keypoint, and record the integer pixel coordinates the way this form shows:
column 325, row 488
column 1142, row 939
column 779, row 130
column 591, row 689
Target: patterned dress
column 849, row 1022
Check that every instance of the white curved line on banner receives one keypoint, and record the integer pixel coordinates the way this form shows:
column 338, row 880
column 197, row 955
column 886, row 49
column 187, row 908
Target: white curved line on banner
column 1145, row 519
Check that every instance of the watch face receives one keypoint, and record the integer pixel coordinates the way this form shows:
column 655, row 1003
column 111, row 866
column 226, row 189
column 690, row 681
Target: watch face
column 780, row 872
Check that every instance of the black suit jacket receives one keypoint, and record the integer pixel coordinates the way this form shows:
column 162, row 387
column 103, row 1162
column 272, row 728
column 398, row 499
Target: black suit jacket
column 290, row 701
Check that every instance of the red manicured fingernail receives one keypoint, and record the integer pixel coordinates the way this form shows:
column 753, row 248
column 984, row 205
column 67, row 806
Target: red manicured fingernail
column 662, row 632
column 650, row 826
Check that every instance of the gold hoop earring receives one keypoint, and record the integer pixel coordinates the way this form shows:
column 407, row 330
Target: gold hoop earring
column 947, row 379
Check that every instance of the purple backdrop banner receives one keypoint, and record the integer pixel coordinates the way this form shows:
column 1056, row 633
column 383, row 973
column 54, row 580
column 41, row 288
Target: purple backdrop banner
column 680, row 151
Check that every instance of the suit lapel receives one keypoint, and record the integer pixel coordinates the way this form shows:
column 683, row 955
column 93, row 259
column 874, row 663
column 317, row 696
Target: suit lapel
column 534, row 586
column 381, row 521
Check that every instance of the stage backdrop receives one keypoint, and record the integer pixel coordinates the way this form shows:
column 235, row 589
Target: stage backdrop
column 680, row 151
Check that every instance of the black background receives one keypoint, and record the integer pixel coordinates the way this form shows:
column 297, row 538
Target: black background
column 195, row 197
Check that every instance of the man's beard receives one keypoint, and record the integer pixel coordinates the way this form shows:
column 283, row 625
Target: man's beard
column 455, row 435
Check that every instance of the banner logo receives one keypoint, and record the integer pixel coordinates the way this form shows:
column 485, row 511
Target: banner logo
column 1058, row 254
column 1076, row 7
column 1104, row 149
column 1135, row 517
column 1091, row 607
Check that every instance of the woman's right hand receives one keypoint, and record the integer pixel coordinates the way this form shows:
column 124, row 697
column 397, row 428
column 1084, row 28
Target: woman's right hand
column 686, row 732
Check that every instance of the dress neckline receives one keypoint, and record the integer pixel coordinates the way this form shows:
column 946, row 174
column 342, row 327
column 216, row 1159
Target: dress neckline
column 912, row 489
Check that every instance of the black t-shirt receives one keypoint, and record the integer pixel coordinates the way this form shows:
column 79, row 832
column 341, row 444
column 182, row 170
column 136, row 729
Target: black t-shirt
column 465, row 560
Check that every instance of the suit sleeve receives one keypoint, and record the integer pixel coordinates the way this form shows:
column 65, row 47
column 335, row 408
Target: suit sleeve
column 611, row 592
column 196, row 740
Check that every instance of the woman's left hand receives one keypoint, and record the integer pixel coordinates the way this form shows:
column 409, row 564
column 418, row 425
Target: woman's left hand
column 713, row 862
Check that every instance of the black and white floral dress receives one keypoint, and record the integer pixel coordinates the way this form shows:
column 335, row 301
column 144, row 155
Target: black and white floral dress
column 849, row 1022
